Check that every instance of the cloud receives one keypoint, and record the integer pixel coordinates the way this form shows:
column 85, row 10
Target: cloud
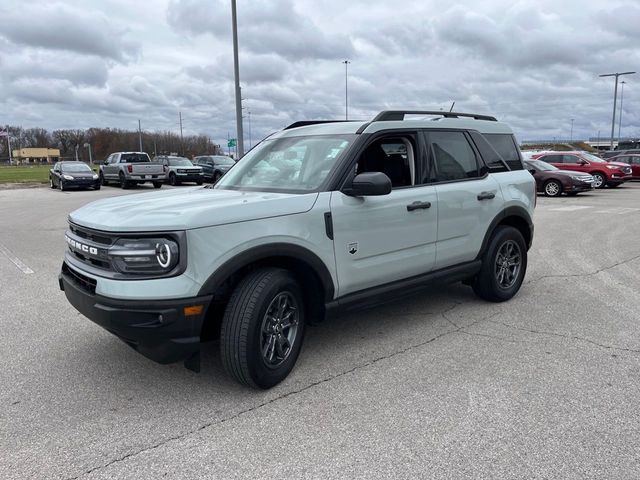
column 60, row 27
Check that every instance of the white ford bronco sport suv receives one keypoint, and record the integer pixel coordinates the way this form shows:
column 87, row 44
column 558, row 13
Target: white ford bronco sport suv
column 319, row 217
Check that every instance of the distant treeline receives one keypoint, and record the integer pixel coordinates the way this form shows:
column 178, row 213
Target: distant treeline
column 104, row 141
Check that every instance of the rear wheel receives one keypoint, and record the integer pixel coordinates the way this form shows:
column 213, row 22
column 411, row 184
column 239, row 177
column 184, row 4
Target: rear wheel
column 599, row 180
column 504, row 265
column 263, row 328
column 552, row 188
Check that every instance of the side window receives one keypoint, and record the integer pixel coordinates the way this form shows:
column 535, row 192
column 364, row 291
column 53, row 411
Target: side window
column 491, row 158
column 393, row 156
column 552, row 158
column 507, row 147
column 569, row 159
column 453, row 156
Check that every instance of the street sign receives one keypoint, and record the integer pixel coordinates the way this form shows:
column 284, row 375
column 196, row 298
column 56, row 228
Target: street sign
column 231, row 142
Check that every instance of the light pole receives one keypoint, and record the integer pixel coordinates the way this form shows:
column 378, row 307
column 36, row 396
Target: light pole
column 615, row 99
column 620, row 117
column 571, row 135
column 88, row 145
column 346, row 89
column 236, row 75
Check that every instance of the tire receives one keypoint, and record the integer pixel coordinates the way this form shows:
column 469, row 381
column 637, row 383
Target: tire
column 493, row 283
column 103, row 181
column 173, row 180
column 61, row 185
column 614, row 185
column 216, row 176
column 124, row 184
column 157, row 184
column 199, row 182
column 97, row 187
column 599, row 180
column 553, row 188
column 51, row 185
column 249, row 336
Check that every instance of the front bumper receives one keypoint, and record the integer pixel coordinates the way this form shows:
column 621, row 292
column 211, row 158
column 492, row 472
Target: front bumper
column 580, row 187
column 158, row 329
column 190, row 177
column 81, row 183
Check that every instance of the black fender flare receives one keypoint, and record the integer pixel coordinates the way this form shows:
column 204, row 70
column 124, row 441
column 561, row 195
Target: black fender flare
column 513, row 211
column 263, row 252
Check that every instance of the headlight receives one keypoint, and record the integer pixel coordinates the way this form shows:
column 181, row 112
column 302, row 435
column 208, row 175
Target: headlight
column 95, row 177
column 182, row 170
column 146, row 256
column 67, row 177
column 612, row 167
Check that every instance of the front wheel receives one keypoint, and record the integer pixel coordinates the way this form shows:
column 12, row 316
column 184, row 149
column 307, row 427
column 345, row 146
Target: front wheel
column 103, row 180
column 51, row 185
column 504, row 265
column 173, row 180
column 552, row 188
column 263, row 328
column 157, row 184
column 599, row 180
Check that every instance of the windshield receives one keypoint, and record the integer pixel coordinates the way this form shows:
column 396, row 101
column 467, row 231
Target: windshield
column 540, row 165
column 75, row 167
column 593, row 158
column 180, row 162
column 300, row 164
column 224, row 161
column 134, row 157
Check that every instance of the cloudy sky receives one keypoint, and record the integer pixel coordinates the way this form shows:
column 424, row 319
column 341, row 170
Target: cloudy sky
column 108, row 63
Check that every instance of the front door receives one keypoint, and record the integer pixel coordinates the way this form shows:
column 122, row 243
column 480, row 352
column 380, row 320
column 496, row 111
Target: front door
column 381, row 239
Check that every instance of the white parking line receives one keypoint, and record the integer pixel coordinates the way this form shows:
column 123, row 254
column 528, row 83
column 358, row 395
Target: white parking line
column 618, row 211
column 571, row 208
column 15, row 260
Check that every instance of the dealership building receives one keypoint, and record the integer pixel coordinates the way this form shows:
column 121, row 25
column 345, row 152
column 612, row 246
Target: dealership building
column 36, row 155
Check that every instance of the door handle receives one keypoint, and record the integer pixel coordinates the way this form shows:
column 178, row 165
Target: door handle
column 486, row 196
column 418, row 206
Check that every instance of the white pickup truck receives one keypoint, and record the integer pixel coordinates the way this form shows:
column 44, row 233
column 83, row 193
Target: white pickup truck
column 130, row 168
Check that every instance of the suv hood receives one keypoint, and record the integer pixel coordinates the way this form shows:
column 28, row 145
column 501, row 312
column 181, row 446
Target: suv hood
column 187, row 208
column 572, row 173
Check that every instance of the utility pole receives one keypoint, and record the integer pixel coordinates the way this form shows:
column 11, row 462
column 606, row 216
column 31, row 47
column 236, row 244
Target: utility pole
column 620, row 117
column 236, row 74
column 346, row 89
column 88, row 145
column 77, row 145
column 9, row 146
column 571, row 135
column 615, row 99
column 181, row 137
column 139, row 135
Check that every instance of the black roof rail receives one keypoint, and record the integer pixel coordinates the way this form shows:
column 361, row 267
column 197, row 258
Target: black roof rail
column 304, row 123
column 395, row 115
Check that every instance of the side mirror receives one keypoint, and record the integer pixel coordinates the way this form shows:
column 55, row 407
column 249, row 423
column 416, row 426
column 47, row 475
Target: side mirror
column 368, row 184
column 106, row 162
column 532, row 171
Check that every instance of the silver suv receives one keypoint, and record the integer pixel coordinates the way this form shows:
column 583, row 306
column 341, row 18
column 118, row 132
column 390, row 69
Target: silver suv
column 320, row 217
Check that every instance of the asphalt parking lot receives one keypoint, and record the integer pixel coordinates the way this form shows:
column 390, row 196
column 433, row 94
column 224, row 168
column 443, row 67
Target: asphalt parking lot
column 441, row 385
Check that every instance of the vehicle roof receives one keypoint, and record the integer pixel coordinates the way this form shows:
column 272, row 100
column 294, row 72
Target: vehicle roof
column 345, row 127
column 144, row 153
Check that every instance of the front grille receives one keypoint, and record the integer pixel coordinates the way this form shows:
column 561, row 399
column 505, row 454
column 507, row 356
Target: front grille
column 85, row 283
column 92, row 235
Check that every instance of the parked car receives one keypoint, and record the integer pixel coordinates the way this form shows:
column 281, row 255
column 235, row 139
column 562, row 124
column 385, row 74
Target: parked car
column 131, row 168
column 633, row 160
column 214, row 166
column 616, row 153
column 553, row 182
column 604, row 173
column 179, row 170
column 255, row 258
column 65, row 175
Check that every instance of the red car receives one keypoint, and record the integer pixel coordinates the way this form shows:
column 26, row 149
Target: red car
column 604, row 173
column 631, row 159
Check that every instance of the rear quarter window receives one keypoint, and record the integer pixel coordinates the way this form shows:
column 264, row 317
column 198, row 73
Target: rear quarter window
column 506, row 146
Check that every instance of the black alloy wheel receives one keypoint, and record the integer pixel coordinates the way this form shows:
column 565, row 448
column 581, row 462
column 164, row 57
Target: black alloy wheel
column 504, row 264
column 263, row 328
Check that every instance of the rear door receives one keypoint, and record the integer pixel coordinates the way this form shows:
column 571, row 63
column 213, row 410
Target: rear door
column 381, row 239
column 469, row 198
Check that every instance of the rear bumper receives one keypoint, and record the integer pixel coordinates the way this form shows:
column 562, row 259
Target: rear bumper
column 146, row 178
column 158, row 329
